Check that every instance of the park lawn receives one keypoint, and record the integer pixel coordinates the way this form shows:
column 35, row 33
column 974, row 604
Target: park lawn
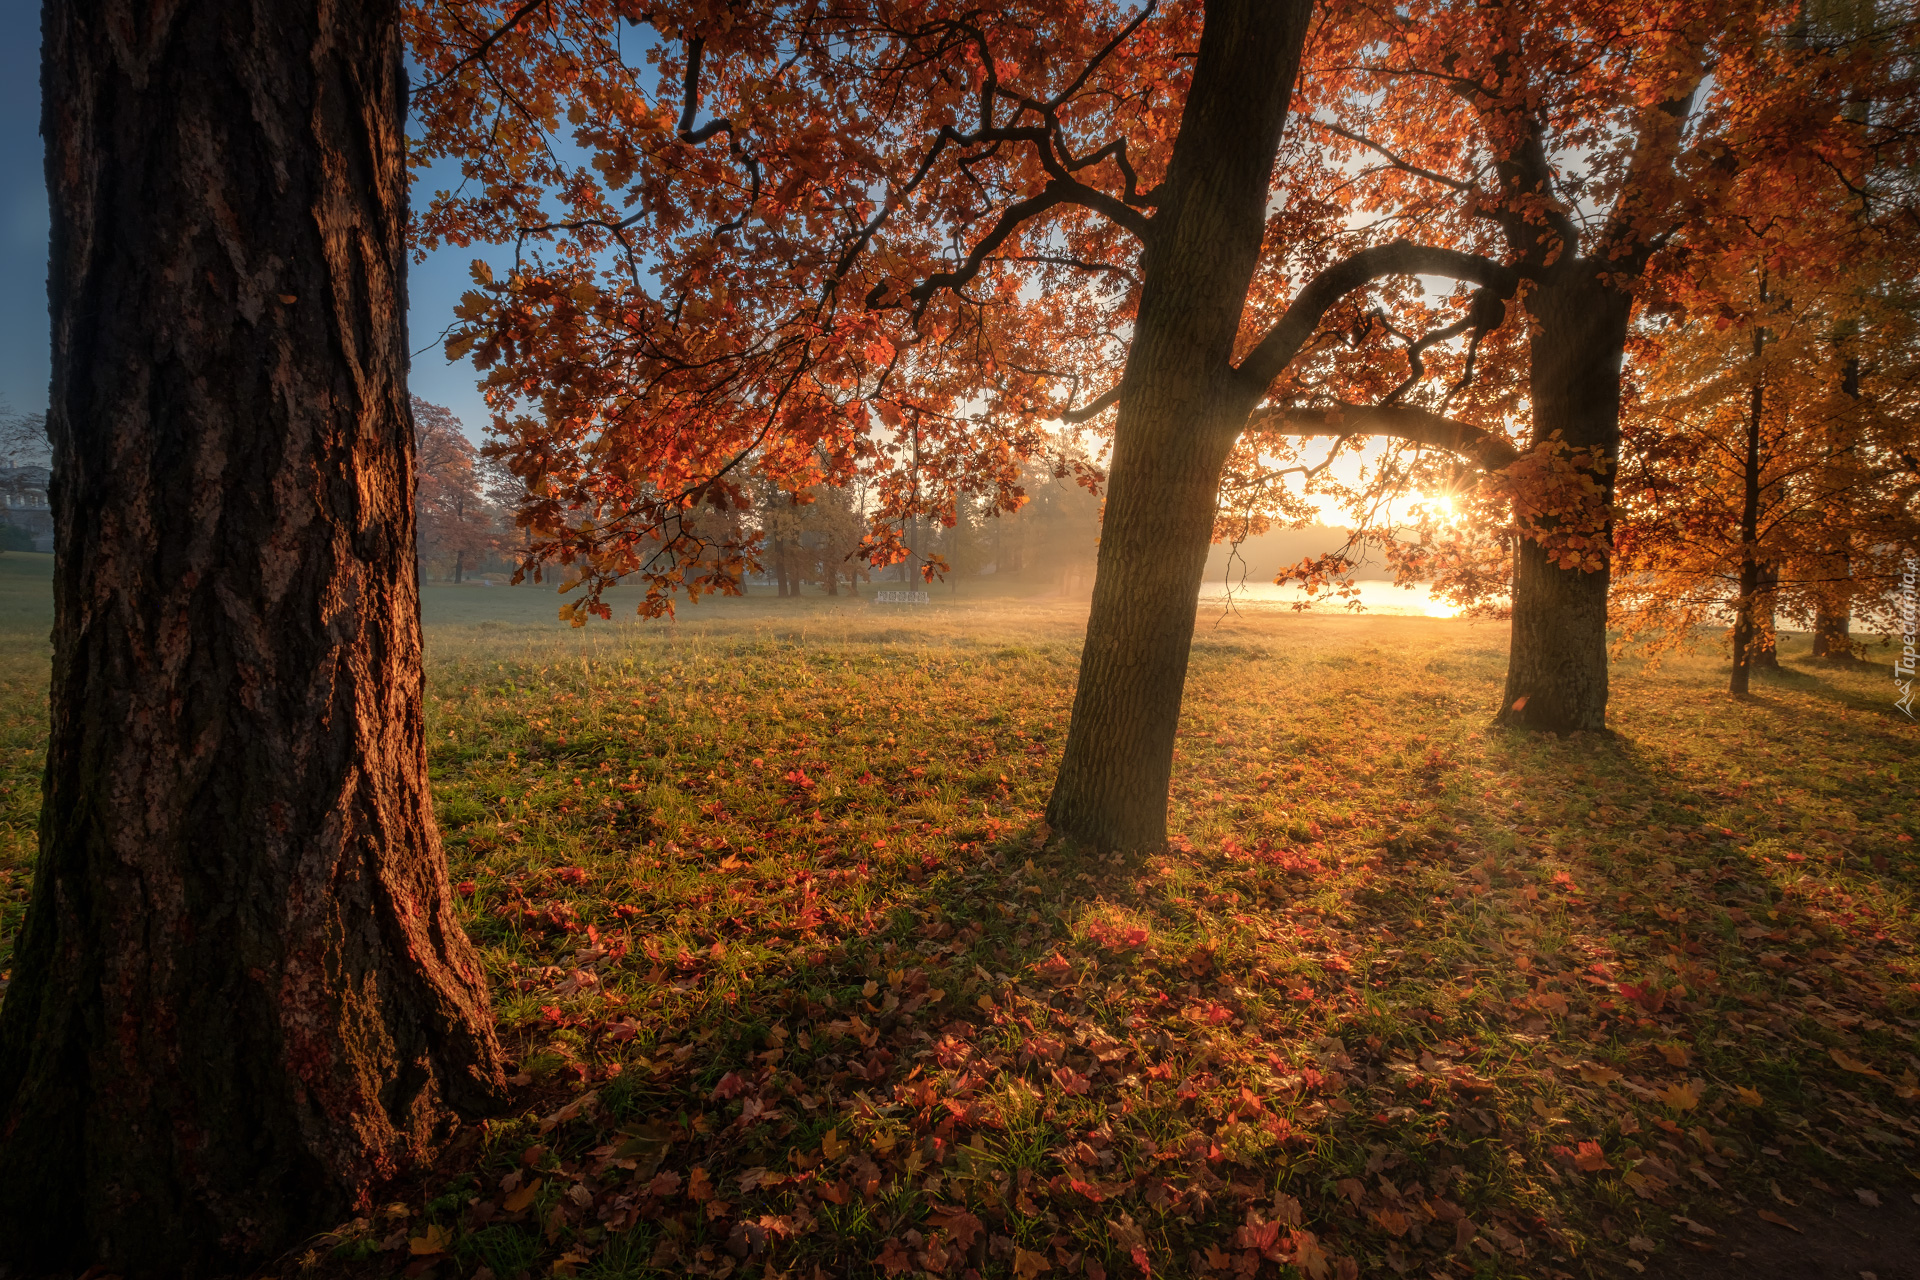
column 795, row 982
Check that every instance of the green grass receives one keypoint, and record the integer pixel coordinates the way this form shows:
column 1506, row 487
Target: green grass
column 793, row 978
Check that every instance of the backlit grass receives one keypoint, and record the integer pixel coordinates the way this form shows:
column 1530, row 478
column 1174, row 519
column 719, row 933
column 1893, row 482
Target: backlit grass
column 794, row 977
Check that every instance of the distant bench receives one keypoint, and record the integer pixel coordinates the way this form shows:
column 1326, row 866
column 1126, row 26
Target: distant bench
column 900, row 597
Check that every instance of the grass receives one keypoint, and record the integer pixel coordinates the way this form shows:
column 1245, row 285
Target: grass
column 795, row 982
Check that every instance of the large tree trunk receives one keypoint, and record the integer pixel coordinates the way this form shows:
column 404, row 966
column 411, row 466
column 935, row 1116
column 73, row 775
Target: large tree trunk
column 1177, row 423
column 240, row 998
column 1832, row 637
column 1557, row 661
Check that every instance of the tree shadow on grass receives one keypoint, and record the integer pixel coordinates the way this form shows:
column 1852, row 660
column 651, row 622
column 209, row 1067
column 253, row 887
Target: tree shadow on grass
column 1401, row 991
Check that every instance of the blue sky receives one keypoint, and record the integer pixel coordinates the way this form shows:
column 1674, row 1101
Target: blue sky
column 435, row 286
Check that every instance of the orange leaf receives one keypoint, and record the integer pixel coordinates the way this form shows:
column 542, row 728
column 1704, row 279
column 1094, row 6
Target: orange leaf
column 1676, row 1055
column 1026, row 1265
column 1849, row 1063
column 435, row 1241
column 1681, row 1097
column 518, row 1200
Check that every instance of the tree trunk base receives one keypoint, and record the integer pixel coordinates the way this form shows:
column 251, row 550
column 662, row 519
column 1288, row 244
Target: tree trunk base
column 1557, row 666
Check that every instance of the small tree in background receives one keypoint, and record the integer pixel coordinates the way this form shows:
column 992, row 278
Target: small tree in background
column 458, row 524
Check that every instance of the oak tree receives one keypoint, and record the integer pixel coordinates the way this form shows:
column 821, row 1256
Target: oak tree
column 909, row 239
column 240, row 999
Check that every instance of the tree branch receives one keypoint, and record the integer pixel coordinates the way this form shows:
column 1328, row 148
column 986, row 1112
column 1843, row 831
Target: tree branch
column 1486, row 449
column 1405, row 166
column 485, row 46
column 1282, row 343
column 1101, row 403
column 1052, row 195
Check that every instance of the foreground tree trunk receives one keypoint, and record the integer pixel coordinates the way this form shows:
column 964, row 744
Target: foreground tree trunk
column 1178, row 421
column 1557, row 660
column 240, row 998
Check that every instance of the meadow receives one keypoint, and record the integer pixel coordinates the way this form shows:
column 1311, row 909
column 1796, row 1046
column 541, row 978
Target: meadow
column 795, row 981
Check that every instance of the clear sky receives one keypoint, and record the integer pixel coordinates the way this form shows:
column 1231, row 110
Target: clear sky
column 436, row 285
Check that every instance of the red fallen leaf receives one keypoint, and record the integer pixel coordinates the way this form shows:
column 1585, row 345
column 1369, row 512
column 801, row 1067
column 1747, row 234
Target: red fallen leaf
column 893, row 1258
column 962, row 1226
column 1072, row 1081
column 1263, row 1236
column 1589, row 1158
column 664, row 1183
column 1117, row 938
column 1053, row 968
column 731, row 1085
column 1519, row 704
column 1768, row 1215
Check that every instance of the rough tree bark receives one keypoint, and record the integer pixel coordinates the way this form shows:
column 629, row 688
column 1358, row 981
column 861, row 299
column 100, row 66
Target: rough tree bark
column 240, row 998
column 1557, row 659
column 1183, row 409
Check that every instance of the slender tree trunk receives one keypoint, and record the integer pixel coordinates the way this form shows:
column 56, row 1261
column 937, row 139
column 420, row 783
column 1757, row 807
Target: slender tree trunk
column 1833, row 610
column 1177, row 423
column 240, row 998
column 1746, row 607
column 459, row 565
column 1765, row 655
column 1557, row 660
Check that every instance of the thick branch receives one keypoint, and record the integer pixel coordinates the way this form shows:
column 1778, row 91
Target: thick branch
column 1486, row 449
column 690, row 100
column 1276, row 351
column 1100, row 405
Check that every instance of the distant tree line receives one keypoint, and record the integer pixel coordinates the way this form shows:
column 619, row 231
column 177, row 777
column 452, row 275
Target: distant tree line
column 814, row 538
